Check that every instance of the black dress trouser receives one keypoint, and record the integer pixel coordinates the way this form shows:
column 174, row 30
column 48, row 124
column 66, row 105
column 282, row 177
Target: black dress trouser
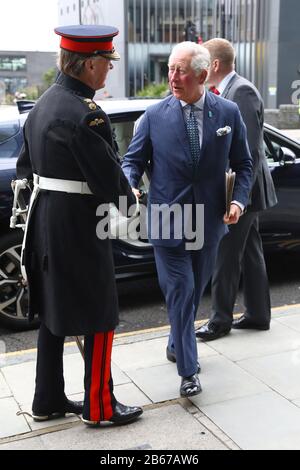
column 240, row 252
column 49, row 397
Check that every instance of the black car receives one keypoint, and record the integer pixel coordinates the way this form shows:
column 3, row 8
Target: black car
column 279, row 226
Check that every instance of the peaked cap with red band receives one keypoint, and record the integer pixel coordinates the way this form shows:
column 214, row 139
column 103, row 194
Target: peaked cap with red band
column 89, row 39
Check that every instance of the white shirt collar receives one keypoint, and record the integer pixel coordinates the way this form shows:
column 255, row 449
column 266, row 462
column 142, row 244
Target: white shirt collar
column 199, row 104
column 221, row 87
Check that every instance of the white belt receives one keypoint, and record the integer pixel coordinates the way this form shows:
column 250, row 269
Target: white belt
column 65, row 186
column 51, row 184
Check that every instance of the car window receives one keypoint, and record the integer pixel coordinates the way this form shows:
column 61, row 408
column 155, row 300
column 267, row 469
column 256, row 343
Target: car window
column 123, row 132
column 123, row 129
column 8, row 129
column 122, row 126
column 271, row 150
column 273, row 145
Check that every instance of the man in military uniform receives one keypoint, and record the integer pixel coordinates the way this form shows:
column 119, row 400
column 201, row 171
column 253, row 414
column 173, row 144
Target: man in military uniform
column 69, row 153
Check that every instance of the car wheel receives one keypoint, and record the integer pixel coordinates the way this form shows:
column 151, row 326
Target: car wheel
column 13, row 292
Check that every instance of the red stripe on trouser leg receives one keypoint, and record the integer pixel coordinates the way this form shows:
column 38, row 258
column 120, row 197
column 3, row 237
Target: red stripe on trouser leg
column 106, row 390
column 100, row 392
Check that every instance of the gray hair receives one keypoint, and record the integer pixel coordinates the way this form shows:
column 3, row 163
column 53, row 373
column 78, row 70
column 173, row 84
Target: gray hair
column 200, row 55
column 71, row 63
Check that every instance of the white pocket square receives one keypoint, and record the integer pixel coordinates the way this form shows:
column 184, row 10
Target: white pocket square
column 223, row 131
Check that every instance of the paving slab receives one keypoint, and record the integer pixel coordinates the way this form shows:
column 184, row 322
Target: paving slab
column 245, row 344
column 21, row 380
column 265, row 421
column 158, row 429
column 33, row 443
column 224, row 380
column 131, row 395
column 4, row 389
column 11, row 424
column 292, row 321
column 159, row 383
column 281, row 372
column 152, row 352
column 250, row 398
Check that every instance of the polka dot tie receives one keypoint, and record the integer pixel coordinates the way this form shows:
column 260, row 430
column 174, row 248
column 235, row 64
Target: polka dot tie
column 193, row 133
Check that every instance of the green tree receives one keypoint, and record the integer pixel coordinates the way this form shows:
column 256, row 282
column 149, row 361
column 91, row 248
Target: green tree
column 159, row 90
column 49, row 77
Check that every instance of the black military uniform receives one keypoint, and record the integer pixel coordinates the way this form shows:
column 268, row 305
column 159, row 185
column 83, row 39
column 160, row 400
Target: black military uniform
column 70, row 271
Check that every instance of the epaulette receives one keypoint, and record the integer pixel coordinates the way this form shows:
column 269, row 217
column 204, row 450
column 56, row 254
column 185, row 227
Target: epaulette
column 90, row 103
column 96, row 122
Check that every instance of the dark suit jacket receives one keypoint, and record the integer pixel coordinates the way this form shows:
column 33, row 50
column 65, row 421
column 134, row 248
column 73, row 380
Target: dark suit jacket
column 250, row 103
column 162, row 139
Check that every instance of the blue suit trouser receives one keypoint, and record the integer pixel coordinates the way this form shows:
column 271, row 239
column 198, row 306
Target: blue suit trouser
column 183, row 276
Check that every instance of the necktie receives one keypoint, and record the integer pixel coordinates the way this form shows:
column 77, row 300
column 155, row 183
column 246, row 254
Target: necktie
column 214, row 90
column 193, row 134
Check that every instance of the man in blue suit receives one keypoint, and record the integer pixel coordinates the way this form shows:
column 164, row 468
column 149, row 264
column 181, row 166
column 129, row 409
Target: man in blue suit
column 189, row 139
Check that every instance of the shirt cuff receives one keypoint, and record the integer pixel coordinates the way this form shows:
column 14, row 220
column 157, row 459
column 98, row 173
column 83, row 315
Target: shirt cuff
column 241, row 206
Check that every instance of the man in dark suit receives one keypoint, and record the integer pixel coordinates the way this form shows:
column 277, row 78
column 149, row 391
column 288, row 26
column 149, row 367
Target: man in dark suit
column 241, row 251
column 190, row 138
column 69, row 154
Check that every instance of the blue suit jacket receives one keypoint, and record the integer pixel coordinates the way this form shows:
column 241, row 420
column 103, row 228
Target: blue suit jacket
column 161, row 139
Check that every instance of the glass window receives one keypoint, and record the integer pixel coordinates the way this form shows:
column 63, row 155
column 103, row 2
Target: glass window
column 12, row 63
column 273, row 145
column 123, row 131
column 14, row 84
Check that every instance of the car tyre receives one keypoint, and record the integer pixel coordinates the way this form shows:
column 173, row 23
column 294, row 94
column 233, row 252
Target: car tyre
column 13, row 292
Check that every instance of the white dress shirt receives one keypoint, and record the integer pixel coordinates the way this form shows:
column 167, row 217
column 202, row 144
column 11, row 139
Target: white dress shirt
column 222, row 86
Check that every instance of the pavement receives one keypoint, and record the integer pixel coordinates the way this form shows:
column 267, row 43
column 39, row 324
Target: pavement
column 250, row 398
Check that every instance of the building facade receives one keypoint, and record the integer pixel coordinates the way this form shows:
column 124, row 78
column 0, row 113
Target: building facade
column 19, row 70
column 264, row 33
column 109, row 12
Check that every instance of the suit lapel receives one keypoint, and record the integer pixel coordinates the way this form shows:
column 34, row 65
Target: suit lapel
column 176, row 123
column 229, row 86
column 209, row 120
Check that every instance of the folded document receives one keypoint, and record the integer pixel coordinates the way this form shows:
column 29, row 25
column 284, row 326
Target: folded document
column 229, row 184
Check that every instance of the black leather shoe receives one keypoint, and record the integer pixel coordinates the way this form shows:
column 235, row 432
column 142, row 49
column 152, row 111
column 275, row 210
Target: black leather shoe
column 210, row 331
column 244, row 323
column 190, row 386
column 122, row 415
column 172, row 358
column 74, row 407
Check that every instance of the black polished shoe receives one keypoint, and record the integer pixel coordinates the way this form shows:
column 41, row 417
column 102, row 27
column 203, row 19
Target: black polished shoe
column 244, row 323
column 74, row 407
column 122, row 415
column 211, row 331
column 172, row 358
column 190, row 386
